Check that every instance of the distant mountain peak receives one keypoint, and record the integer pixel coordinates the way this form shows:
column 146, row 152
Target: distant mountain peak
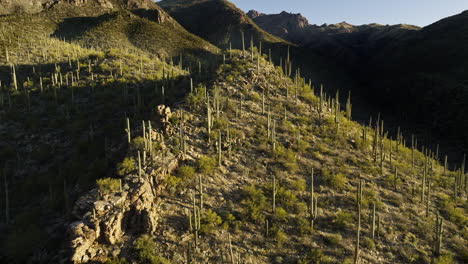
column 254, row 14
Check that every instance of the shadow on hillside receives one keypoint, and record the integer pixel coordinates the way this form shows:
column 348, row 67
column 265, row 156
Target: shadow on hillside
column 74, row 27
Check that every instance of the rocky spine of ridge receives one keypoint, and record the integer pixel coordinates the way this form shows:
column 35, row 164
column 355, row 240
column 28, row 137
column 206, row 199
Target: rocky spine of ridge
column 106, row 222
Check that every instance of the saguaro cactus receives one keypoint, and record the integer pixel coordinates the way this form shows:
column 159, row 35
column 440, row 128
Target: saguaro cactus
column 359, row 200
column 348, row 106
column 13, row 76
column 129, row 136
column 274, row 192
column 243, row 44
column 438, row 235
column 313, row 201
column 219, row 148
column 373, row 221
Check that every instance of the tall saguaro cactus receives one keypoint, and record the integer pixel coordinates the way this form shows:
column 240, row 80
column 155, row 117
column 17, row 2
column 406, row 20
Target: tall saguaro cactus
column 128, row 130
column 313, row 201
column 358, row 234
column 13, row 76
column 438, row 235
column 275, row 191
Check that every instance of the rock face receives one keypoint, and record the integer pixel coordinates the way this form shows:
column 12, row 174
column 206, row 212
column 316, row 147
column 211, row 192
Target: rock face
column 108, row 220
column 283, row 25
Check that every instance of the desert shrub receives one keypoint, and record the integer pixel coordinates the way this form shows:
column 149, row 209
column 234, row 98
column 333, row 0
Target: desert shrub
column 209, row 222
column 281, row 214
column 451, row 211
column 173, row 184
column 391, row 181
column 303, row 226
column 369, row 196
column 315, row 256
column 336, row 181
column 254, row 202
column 206, row 165
column 108, row 185
column 278, row 234
column 186, row 172
column 298, row 184
column 285, row 157
column 444, row 259
column 144, row 250
column 396, row 200
column 333, row 239
column 369, row 243
column 126, row 166
column 342, row 219
column 138, row 144
column 220, row 123
column 301, row 146
column 228, row 220
column 285, row 198
column 196, row 98
column 254, row 96
column 300, row 208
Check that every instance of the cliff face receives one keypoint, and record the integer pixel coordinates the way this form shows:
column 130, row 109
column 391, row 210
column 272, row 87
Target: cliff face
column 285, row 25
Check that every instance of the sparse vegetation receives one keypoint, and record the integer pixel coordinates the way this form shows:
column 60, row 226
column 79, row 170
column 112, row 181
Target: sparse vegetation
column 248, row 157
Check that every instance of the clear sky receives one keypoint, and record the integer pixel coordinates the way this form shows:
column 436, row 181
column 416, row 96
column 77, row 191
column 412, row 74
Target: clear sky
column 357, row 12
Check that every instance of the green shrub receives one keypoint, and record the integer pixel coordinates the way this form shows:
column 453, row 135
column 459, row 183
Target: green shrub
column 300, row 208
column 138, row 143
column 186, row 172
column 285, row 157
column 254, row 202
column 108, row 185
column 369, row 243
column 206, row 165
column 299, row 185
column 286, row 198
column 173, row 184
column 315, row 256
column 196, row 98
column 336, row 181
column 126, row 166
column 301, row 146
column 220, row 123
column 303, row 226
column 278, row 234
column 451, row 211
column 281, row 214
column 333, row 239
column 342, row 219
column 209, row 221
column 144, row 250
column 228, row 220
column 444, row 259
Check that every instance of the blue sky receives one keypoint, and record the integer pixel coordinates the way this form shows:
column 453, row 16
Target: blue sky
column 415, row 12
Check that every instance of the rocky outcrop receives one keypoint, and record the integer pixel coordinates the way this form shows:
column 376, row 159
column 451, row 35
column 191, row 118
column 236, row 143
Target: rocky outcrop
column 105, row 222
column 284, row 25
column 254, row 14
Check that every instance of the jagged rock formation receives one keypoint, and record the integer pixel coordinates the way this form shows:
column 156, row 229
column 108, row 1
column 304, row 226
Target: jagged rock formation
column 285, row 25
column 110, row 219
